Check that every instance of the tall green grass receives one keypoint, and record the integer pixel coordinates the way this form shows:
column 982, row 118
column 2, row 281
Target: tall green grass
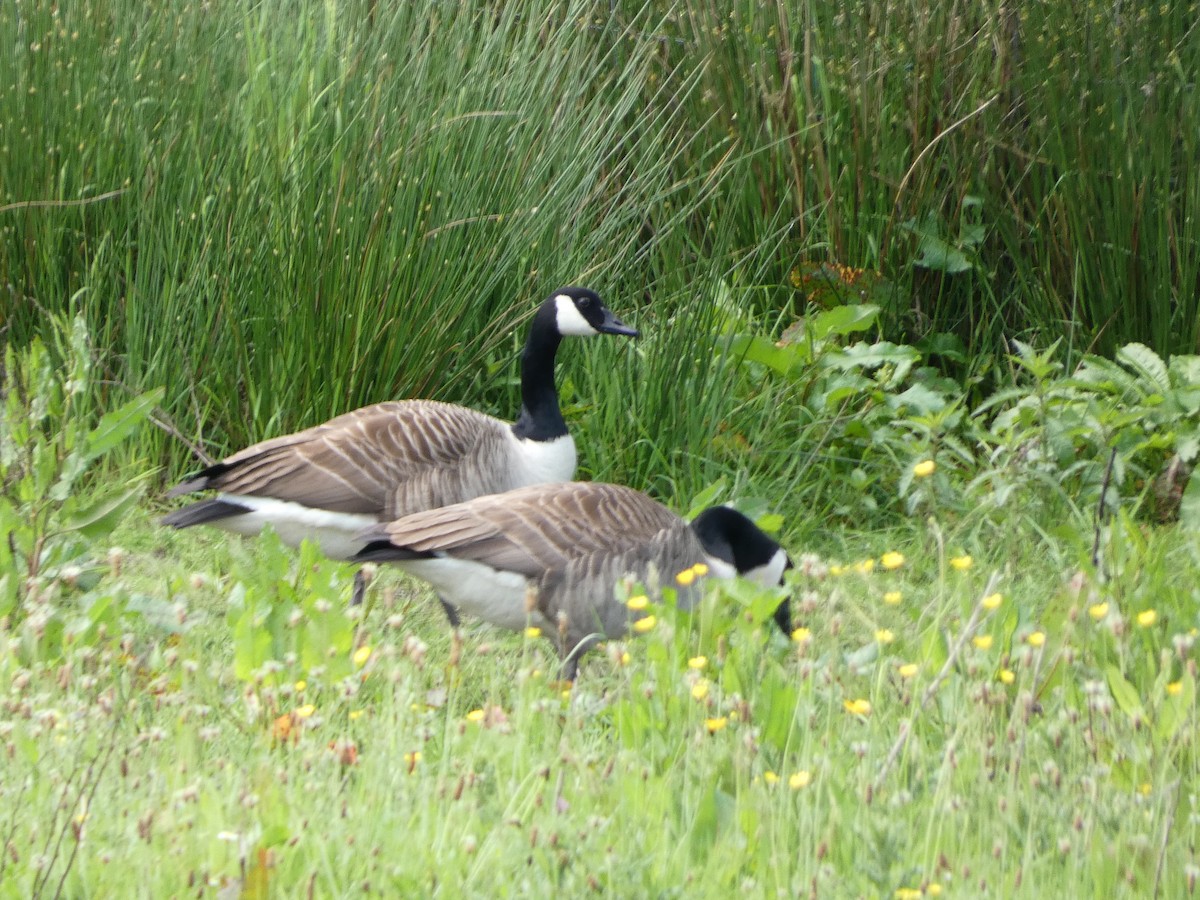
column 323, row 206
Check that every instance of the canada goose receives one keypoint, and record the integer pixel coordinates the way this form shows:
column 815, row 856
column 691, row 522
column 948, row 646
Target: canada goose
column 329, row 482
column 551, row 555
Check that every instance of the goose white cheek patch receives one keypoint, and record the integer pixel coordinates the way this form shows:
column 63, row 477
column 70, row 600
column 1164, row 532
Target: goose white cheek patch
column 569, row 319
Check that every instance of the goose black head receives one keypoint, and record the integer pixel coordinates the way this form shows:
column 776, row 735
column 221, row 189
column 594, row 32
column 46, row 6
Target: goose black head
column 733, row 538
column 580, row 312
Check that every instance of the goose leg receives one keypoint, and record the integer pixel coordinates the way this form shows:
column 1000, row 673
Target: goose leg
column 360, row 588
column 570, row 664
column 451, row 612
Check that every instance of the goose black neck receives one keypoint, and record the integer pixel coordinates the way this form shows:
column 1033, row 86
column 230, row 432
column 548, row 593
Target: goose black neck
column 541, row 418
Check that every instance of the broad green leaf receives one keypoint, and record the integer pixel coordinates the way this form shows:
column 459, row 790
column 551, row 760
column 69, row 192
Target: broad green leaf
column 1186, row 369
column 764, row 351
column 1124, row 693
column 1176, row 711
column 706, row 498
column 118, row 424
column 918, row 400
column 1146, row 363
column 843, row 320
column 1189, row 507
column 100, row 517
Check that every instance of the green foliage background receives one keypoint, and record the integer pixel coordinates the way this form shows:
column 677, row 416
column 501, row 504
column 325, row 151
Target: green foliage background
column 327, row 204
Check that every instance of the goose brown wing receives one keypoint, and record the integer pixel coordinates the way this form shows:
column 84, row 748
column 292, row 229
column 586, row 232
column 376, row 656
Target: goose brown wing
column 379, row 460
column 537, row 529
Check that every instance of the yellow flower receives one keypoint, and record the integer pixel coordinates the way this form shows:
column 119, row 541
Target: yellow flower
column 1036, row 638
column 300, row 685
column 800, row 635
column 865, row 567
column 770, row 778
column 625, row 658
column 891, row 560
column 884, row 635
column 644, row 624
column 933, row 889
column 924, row 468
column 992, row 601
column 361, row 655
column 908, row 894
column 1175, row 688
column 800, row 779
column 700, row 689
column 533, row 632
column 1098, row 611
column 1007, row 676
column 837, row 570
column 638, row 602
column 412, row 758
column 1144, row 789
column 700, row 569
column 908, row 670
column 1147, row 617
column 355, row 714
column 982, row 641
column 305, row 711
column 891, row 598
column 686, row 577
column 961, row 563
column 475, row 715
column 697, row 662
column 715, row 725
column 857, row 707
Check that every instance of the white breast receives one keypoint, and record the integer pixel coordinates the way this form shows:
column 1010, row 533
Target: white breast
column 478, row 590
column 540, row 462
column 294, row 522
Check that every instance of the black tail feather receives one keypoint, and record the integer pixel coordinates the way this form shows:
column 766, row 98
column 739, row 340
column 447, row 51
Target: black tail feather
column 200, row 481
column 202, row 512
column 386, row 551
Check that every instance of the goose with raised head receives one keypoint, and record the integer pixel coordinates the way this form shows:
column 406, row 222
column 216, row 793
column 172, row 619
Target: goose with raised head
column 376, row 464
column 551, row 555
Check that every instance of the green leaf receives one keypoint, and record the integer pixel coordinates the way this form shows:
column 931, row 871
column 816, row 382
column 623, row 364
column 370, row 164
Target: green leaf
column 118, row 424
column 934, row 252
column 1146, row 363
column 706, row 498
column 100, row 517
column 843, row 320
column 918, row 400
column 764, row 351
column 1123, row 692
column 1189, row 506
column 1176, row 711
column 1186, row 369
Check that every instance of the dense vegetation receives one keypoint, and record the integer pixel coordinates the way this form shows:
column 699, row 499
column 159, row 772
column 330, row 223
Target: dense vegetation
column 918, row 288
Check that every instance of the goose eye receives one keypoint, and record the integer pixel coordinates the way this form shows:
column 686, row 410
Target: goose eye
column 585, row 303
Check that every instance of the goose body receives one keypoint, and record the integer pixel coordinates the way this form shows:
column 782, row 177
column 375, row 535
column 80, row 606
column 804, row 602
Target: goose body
column 329, row 482
column 552, row 555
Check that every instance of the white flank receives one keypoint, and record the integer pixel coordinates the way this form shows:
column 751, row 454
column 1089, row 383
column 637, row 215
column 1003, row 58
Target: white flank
column 478, row 590
column 770, row 572
column 293, row 522
column 540, row 462
column 569, row 319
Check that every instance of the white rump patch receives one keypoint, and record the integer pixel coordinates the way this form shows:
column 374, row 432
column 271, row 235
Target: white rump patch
column 294, row 522
column 540, row 462
column 478, row 590
column 569, row 319
column 769, row 573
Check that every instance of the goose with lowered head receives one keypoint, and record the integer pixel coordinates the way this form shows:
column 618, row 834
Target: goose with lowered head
column 552, row 555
